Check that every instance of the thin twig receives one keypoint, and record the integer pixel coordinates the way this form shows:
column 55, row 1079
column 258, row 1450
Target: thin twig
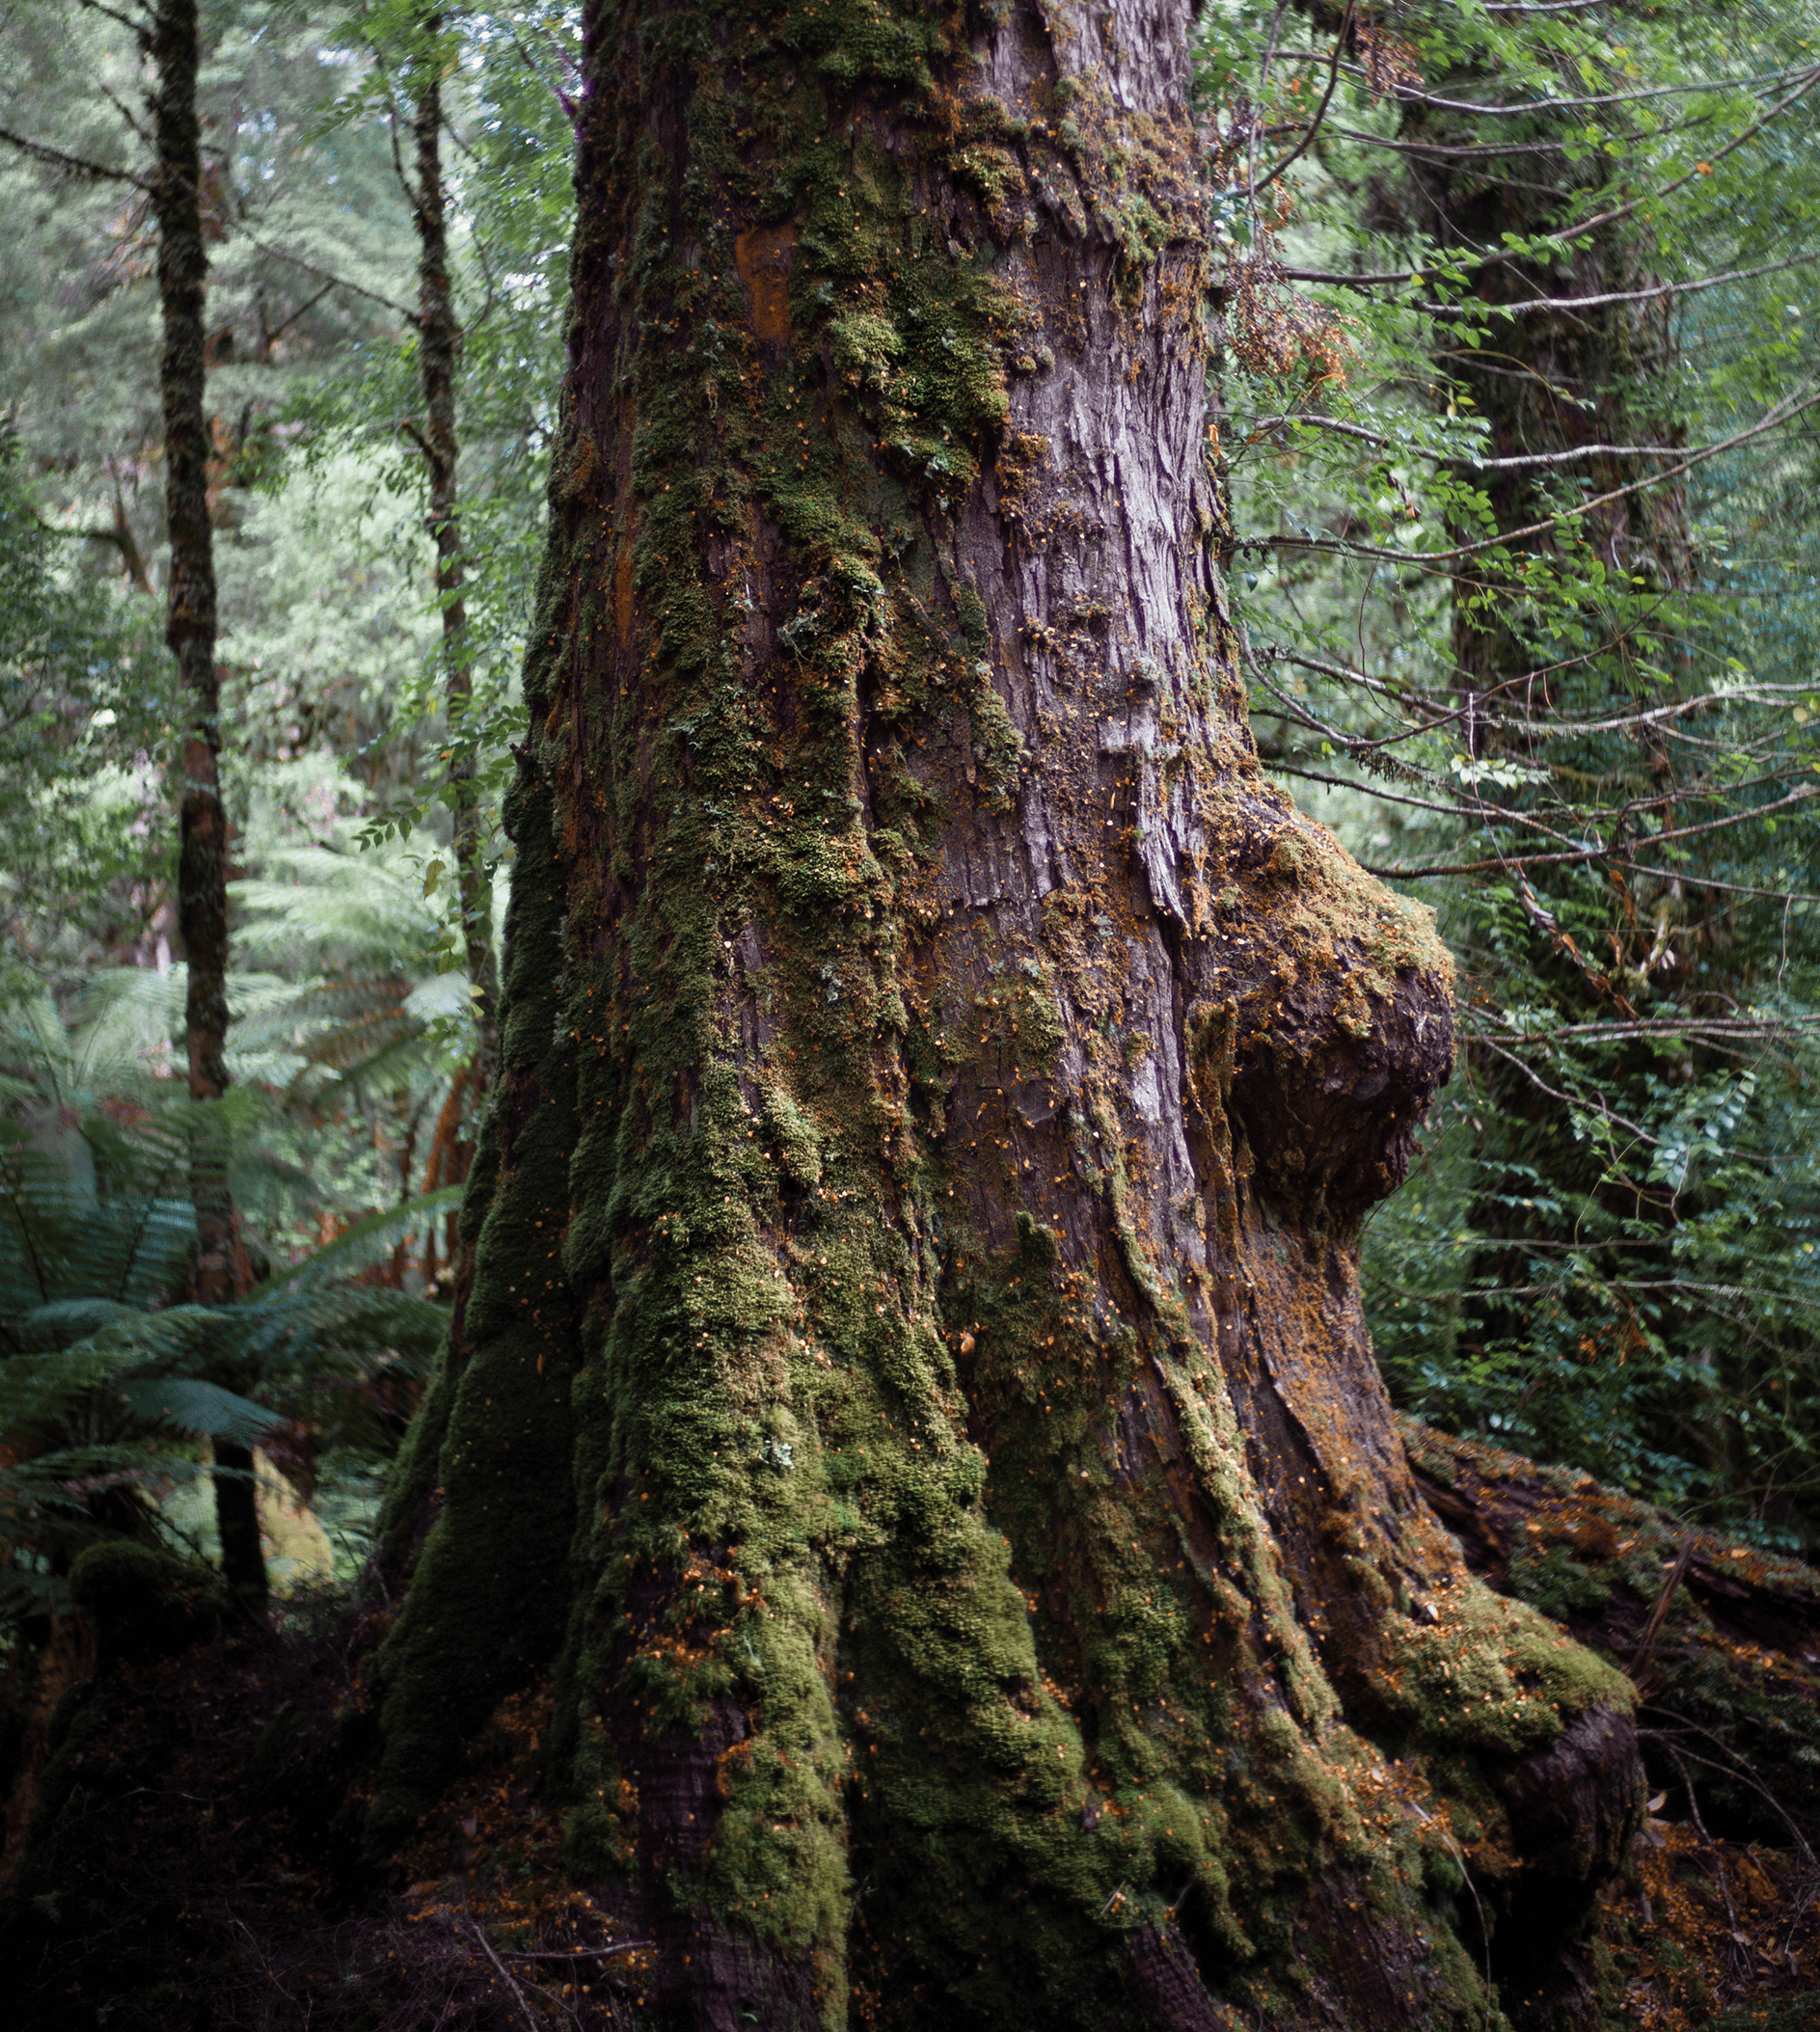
column 1307, row 140
column 582, row 1954
column 505, row 1975
column 1658, row 1615
column 75, row 165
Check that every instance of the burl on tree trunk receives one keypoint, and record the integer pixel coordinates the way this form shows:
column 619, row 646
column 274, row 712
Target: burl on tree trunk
column 913, row 1383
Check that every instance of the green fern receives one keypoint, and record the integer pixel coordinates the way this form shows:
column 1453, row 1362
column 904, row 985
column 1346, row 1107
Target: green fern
column 107, row 1380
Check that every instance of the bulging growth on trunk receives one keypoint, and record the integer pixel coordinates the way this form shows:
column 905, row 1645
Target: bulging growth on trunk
column 914, row 1389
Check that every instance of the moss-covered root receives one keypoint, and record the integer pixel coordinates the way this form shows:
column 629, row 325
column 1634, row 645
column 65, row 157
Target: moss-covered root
column 490, row 1458
column 1717, row 1635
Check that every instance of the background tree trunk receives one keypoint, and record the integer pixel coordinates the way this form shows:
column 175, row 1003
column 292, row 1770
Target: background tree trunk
column 439, row 350
column 1594, row 384
column 222, row 1271
column 940, row 1083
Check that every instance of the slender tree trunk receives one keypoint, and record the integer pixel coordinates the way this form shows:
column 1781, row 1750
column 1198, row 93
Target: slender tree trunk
column 913, row 1387
column 222, row 1271
column 439, row 347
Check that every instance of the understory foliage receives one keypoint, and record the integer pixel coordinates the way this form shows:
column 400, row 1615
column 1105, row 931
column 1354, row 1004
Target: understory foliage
column 1518, row 401
column 355, row 1097
column 110, row 1382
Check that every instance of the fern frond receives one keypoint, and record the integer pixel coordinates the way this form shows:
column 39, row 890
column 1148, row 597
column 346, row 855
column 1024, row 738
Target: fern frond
column 364, row 1244
column 38, row 1392
column 358, row 1330
column 193, row 1405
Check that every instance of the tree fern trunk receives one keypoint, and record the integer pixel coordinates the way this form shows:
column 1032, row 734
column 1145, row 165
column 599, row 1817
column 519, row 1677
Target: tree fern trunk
column 221, row 1263
column 941, row 1086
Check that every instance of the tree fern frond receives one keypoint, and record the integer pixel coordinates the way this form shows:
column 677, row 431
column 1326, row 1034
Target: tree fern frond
column 39, row 1390
column 193, row 1405
column 363, row 1244
column 356, row 1329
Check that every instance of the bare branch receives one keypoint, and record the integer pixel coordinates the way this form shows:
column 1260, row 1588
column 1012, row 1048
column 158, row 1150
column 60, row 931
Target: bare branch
column 72, row 165
column 1603, row 1109
column 570, row 110
column 1624, row 296
column 1314, row 422
column 1307, row 140
column 513, row 1990
column 1759, row 81
column 128, row 115
column 327, row 276
column 141, row 28
column 1782, row 414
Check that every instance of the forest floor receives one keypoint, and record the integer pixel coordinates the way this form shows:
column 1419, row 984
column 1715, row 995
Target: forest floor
column 204, row 1872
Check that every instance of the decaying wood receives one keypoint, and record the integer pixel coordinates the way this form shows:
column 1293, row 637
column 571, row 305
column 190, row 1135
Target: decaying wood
column 1722, row 1638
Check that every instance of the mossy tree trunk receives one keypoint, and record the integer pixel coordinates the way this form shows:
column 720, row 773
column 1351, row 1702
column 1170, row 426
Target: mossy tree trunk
column 912, row 1387
column 222, row 1271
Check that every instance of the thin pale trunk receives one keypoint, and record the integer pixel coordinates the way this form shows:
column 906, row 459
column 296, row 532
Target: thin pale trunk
column 222, row 1271
column 914, row 1379
column 439, row 347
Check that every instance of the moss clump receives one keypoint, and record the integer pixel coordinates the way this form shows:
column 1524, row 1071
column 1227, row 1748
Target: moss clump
column 1783, row 2014
column 143, row 1603
column 1489, row 1674
column 1556, row 1582
column 998, row 745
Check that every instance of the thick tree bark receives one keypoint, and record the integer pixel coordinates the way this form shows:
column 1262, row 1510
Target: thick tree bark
column 439, row 349
column 222, row 1271
column 913, row 1382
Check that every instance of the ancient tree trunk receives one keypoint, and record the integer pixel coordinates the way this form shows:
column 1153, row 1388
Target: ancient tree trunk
column 222, row 1271
column 438, row 346
column 913, row 1384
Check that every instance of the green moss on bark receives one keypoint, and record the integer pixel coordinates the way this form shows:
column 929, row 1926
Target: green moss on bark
column 489, row 1597
column 829, row 1691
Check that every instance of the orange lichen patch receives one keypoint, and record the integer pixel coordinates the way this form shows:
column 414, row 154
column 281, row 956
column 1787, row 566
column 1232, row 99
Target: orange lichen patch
column 764, row 256
column 1702, row 1927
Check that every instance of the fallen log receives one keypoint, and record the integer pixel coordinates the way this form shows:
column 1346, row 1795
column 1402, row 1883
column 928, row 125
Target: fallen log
column 1722, row 1638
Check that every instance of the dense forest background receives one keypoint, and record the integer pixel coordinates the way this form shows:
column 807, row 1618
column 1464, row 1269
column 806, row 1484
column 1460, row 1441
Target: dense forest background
column 1514, row 393
column 1607, row 1254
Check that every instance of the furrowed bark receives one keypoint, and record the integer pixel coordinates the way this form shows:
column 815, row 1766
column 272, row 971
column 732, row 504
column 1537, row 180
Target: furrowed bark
column 222, row 1271
column 439, row 349
column 943, row 1083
